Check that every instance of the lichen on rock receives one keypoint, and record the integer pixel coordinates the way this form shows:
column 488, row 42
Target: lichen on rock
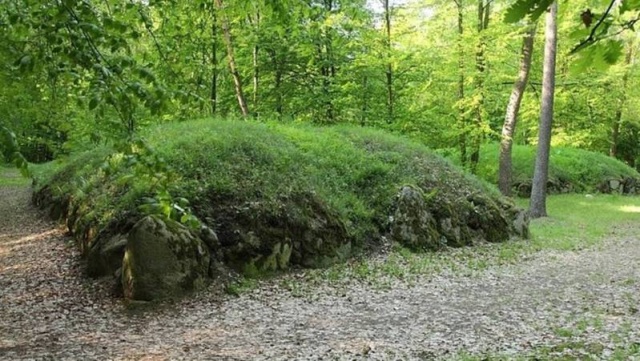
column 162, row 259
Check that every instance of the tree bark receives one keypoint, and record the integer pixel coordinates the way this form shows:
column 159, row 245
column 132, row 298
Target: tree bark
column 214, row 63
column 615, row 128
column 484, row 10
column 256, row 69
column 538, row 205
column 226, row 31
column 462, row 122
column 505, row 173
column 389, row 71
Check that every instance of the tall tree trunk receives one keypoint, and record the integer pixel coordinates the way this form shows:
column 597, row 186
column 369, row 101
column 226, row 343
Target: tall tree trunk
column 505, row 174
column 226, row 31
column 256, row 74
column 256, row 70
column 538, row 205
column 615, row 129
column 328, row 69
column 214, row 63
column 365, row 101
column 462, row 122
column 389, row 71
column 484, row 10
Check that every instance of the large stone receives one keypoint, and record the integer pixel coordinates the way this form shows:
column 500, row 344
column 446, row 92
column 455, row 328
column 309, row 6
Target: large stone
column 162, row 259
column 413, row 225
column 264, row 236
column 105, row 257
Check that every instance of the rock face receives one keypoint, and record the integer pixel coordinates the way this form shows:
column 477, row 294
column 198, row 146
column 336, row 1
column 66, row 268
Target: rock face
column 259, row 237
column 162, row 259
column 428, row 222
column 412, row 224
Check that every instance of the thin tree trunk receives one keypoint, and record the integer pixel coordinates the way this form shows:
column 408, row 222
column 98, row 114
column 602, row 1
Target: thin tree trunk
column 462, row 122
column 365, row 101
column 256, row 70
column 505, row 174
column 615, row 129
column 484, row 10
column 538, row 205
column 214, row 63
column 226, row 31
column 389, row 71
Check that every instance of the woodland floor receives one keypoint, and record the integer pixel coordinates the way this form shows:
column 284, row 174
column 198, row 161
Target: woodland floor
column 577, row 304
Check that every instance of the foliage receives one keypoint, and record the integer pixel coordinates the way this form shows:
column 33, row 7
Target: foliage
column 582, row 170
column 10, row 150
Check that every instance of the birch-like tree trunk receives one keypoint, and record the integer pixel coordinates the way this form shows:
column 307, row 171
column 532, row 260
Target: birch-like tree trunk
column 233, row 69
column 615, row 128
column 389, row 71
column 505, row 172
column 484, row 10
column 538, row 205
column 462, row 122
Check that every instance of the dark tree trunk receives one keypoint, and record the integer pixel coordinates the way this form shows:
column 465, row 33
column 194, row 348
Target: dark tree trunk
column 505, row 174
column 389, row 71
column 538, row 205
column 365, row 101
column 214, row 63
column 484, row 10
column 615, row 128
column 462, row 122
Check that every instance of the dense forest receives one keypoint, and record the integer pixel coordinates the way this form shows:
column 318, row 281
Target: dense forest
column 79, row 73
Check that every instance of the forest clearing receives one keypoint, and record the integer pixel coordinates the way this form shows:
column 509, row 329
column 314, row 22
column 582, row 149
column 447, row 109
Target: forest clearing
column 320, row 180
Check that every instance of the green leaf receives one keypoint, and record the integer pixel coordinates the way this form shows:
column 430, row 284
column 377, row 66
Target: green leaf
column 629, row 5
column 523, row 8
column 93, row 103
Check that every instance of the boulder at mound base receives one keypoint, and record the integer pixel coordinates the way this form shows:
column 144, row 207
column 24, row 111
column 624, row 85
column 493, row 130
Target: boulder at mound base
column 162, row 259
column 264, row 236
column 421, row 222
column 412, row 223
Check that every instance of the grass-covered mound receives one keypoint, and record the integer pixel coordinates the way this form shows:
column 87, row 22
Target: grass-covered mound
column 570, row 170
column 269, row 195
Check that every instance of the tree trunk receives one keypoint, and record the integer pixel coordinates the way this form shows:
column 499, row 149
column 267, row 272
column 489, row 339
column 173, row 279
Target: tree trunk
column 484, row 10
column 538, row 205
column 615, row 129
column 462, row 122
column 389, row 71
column 226, row 31
column 511, row 116
column 365, row 101
column 214, row 63
column 256, row 70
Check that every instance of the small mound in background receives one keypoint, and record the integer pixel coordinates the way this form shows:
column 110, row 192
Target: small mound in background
column 570, row 170
column 272, row 195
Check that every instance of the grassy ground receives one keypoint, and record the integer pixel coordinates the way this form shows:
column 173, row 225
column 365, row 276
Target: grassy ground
column 11, row 177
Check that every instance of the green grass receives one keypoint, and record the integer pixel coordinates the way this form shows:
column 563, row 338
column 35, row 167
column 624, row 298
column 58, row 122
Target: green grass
column 10, row 177
column 583, row 170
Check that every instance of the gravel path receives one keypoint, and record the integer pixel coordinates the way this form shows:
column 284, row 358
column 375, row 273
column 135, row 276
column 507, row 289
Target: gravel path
column 49, row 310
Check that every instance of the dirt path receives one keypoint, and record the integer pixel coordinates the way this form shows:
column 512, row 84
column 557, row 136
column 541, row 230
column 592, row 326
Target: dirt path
column 588, row 300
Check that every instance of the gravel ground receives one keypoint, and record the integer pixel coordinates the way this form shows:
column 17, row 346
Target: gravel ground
column 49, row 310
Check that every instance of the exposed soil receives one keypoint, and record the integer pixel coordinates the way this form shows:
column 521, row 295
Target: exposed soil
column 50, row 310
